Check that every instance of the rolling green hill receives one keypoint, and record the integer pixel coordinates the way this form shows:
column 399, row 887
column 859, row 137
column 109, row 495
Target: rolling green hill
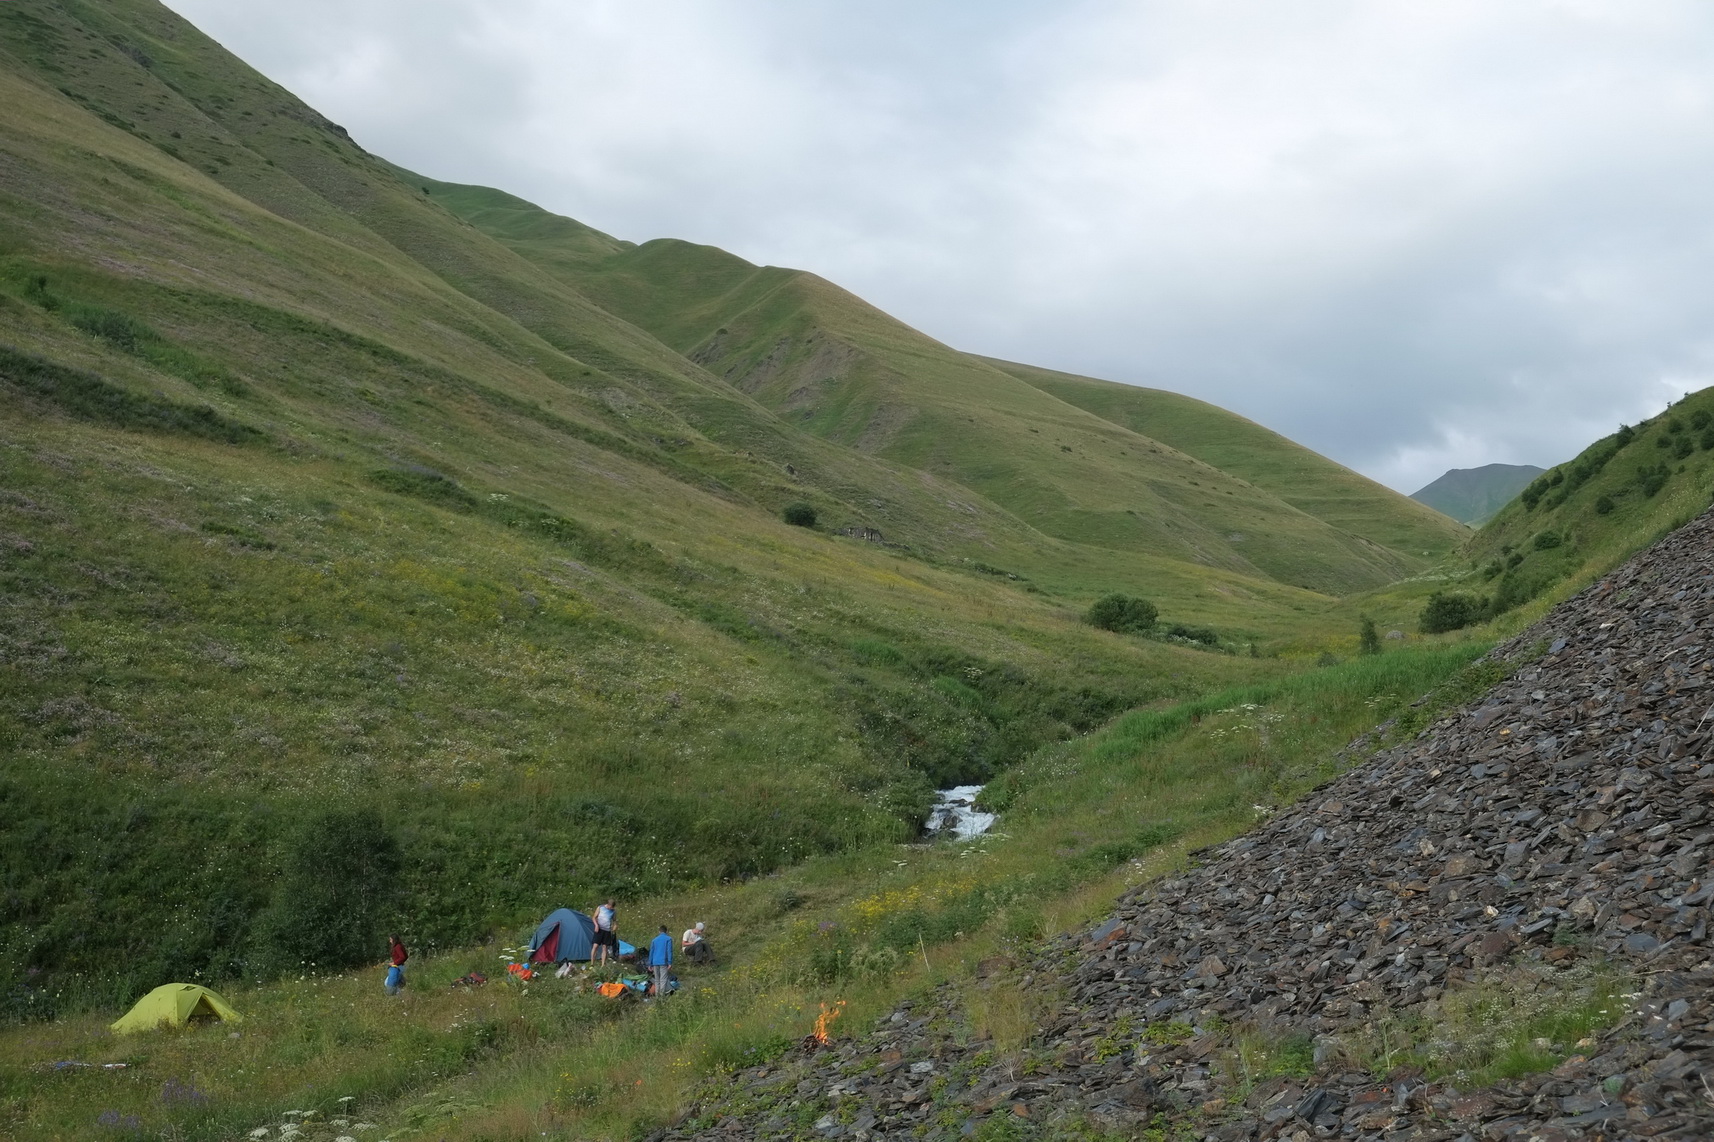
column 1473, row 495
column 326, row 490
column 1581, row 518
column 845, row 371
column 1306, row 480
column 315, row 496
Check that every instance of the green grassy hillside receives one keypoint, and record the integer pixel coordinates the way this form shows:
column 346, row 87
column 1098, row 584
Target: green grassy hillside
column 1569, row 526
column 1307, row 480
column 843, row 370
column 1583, row 517
column 320, row 506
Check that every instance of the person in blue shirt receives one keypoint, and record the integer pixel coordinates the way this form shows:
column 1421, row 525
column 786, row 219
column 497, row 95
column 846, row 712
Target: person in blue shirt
column 661, row 960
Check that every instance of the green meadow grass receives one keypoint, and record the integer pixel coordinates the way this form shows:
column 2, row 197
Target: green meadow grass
column 864, row 926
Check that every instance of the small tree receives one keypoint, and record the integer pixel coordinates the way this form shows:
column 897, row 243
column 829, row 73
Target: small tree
column 1449, row 610
column 1123, row 614
column 338, row 892
column 799, row 514
column 1368, row 638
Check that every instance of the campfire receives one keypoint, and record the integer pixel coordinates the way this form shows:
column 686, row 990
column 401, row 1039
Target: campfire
column 824, row 1021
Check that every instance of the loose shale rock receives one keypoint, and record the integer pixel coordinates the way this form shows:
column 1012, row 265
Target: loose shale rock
column 1567, row 815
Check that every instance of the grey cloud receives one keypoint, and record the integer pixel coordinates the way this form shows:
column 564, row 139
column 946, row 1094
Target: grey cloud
column 1411, row 236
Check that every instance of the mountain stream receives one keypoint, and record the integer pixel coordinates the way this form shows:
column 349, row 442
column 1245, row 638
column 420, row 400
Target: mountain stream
column 955, row 814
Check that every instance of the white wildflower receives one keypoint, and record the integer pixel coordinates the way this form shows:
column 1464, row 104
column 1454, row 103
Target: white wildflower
column 259, row 1132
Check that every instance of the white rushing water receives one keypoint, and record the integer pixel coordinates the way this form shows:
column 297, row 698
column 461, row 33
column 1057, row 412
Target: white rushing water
column 956, row 815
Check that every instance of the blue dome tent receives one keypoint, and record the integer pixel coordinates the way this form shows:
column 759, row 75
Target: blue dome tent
column 566, row 934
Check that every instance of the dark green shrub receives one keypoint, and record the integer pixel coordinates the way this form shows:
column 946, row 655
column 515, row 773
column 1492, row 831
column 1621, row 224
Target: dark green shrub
column 1684, row 446
column 1514, row 559
column 112, row 326
column 1203, row 635
column 1603, row 505
column 1547, row 540
column 1368, row 638
column 1701, row 419
column 1652, row 480
column 89, row 397
column 1450, row 610
column 1122, row 613
column 36, row 290
column 1707, row 441
column 339, row 890
column 424, row 483
column 799, row 514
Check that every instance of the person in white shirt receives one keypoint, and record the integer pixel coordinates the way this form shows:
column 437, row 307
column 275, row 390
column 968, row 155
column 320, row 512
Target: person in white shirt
column 606, row 942
column 695, row 944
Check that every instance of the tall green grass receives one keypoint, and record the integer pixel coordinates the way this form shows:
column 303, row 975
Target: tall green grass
column 865, row 925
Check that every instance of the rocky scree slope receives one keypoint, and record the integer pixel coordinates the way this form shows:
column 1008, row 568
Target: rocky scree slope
column 1561, row 823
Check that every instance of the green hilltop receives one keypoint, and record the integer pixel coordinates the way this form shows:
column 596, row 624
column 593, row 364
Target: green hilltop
column 1229, row 494
column 1473, row 495
column 1306, row 480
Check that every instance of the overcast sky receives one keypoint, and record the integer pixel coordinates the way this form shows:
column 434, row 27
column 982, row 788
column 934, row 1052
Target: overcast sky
column 1411, row 235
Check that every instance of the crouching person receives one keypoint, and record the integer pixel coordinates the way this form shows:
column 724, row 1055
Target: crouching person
column 695, row 944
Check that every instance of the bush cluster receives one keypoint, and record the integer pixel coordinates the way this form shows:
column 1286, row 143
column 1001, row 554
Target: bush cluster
column 1123, row 613
column 1451, row 610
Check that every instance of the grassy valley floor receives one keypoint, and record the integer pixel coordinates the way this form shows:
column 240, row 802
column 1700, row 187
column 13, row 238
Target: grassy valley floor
column 1082, row 820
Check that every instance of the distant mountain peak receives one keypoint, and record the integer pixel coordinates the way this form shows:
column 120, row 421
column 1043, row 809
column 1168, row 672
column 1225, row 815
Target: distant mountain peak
column 1474, row 495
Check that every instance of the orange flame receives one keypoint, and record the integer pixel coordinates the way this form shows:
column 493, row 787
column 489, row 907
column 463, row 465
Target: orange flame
column 825, row 1020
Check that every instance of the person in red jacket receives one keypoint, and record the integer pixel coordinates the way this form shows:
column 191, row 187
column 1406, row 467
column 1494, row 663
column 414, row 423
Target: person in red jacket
column 396, row 973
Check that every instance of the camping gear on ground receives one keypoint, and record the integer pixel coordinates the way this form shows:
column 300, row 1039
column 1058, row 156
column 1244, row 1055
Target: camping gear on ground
column 175, row 1005
column 521, row 972
column 567, row 935
column 474, row 979
column 395, row 979
column 564, row 970
column 612, row 990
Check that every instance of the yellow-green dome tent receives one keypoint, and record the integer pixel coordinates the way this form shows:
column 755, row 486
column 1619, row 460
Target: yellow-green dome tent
column 175, row 1004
